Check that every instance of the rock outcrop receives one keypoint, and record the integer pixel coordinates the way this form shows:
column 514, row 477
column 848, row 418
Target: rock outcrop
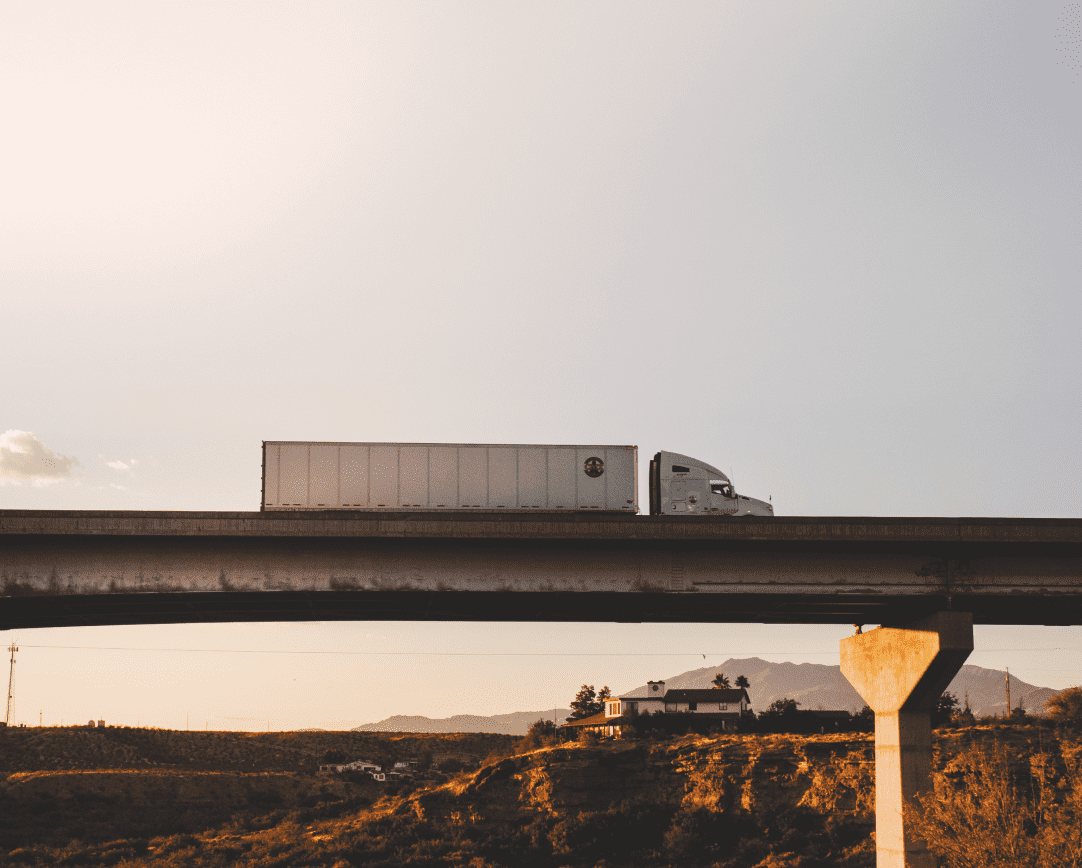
column 750, row 773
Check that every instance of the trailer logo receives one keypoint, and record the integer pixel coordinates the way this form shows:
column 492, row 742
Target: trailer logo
column 594, row 467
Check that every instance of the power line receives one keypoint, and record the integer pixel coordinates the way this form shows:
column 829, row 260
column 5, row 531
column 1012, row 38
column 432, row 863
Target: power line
column 426, row 653
column 493, row 653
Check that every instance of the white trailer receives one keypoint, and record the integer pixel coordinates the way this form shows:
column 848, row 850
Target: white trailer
column 431, row 476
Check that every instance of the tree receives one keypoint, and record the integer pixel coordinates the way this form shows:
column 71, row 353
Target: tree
column 748, row 721
column 965, row 716
column 742, row 681
column 944, row 709
column 334, row 757
column 781, row 716
column 588, row 702
column 864, row 720
column 1066, row 707
column 540, row 733
column 542, row 727
column 782, row 707
column 721, row 681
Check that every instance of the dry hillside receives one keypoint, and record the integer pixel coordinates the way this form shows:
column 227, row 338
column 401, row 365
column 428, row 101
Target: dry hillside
column 730, row 801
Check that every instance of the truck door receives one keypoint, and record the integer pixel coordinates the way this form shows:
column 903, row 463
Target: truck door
column 698, row 494
column 686, row 492
column 722, row 497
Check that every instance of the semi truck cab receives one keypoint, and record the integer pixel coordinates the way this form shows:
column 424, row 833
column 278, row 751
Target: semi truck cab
column 682, row 485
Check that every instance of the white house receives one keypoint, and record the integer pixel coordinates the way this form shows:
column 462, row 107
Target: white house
column 727, row 701
column 723, row 705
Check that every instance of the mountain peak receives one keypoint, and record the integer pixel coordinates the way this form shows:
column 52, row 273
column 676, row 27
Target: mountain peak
column 822, row 686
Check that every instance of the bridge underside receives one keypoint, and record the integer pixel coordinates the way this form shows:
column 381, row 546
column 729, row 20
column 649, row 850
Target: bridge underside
column 237, row 606
column 128, row 577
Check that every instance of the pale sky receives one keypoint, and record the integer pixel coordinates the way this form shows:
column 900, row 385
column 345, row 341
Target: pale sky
column 833, row 246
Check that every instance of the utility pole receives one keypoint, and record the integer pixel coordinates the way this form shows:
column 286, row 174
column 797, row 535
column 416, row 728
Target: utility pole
column 1008, row 691
column 11, row 684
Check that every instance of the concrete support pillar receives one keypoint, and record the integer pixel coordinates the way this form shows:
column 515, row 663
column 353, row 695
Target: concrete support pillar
column 901, row 673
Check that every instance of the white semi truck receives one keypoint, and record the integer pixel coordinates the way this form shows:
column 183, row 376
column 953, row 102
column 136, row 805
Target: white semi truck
column 511, row 478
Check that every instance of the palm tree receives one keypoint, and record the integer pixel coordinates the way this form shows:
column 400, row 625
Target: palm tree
column 742, row 681
column 721, row 681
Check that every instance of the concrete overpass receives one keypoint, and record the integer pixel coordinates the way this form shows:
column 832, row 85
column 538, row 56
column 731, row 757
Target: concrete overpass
column 926, row 580
column 60, row 568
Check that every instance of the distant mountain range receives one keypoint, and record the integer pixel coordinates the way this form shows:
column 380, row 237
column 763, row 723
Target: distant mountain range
column 516, row 723
column 813, row 685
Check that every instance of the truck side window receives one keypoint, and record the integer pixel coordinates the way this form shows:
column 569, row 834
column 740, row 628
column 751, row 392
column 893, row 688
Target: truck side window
column 724, row 489
column 676, row 468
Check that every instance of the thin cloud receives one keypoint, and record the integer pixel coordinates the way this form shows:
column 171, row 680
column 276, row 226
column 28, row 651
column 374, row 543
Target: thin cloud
column 24, row 458
column 117, row 465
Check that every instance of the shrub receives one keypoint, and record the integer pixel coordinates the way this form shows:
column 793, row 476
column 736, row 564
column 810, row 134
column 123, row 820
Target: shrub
column 985, row 818
column 451, row 766
column 1066, row 708
column 540, row 734
column 629, row 827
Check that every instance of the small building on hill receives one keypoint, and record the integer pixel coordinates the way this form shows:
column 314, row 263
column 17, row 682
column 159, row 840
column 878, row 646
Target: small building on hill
column 355, row 766
column 721, row 705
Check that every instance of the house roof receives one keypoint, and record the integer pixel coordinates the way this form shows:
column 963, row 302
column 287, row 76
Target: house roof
column 710, row 694
column 706, row 694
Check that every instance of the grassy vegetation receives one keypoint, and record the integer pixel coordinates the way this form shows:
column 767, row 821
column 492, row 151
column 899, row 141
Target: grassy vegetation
column 629, row 833
column 1010, row 800
column 122, row 747
column 724, row 801
column 73, row 787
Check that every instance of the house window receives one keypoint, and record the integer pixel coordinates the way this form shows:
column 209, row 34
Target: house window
column 693, row 706
column 670, row 706
column 723, row 706
column 632, row 707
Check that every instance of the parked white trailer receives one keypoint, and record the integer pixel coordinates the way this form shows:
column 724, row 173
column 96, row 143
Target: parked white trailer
column 403, row 476
column 299, row 475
